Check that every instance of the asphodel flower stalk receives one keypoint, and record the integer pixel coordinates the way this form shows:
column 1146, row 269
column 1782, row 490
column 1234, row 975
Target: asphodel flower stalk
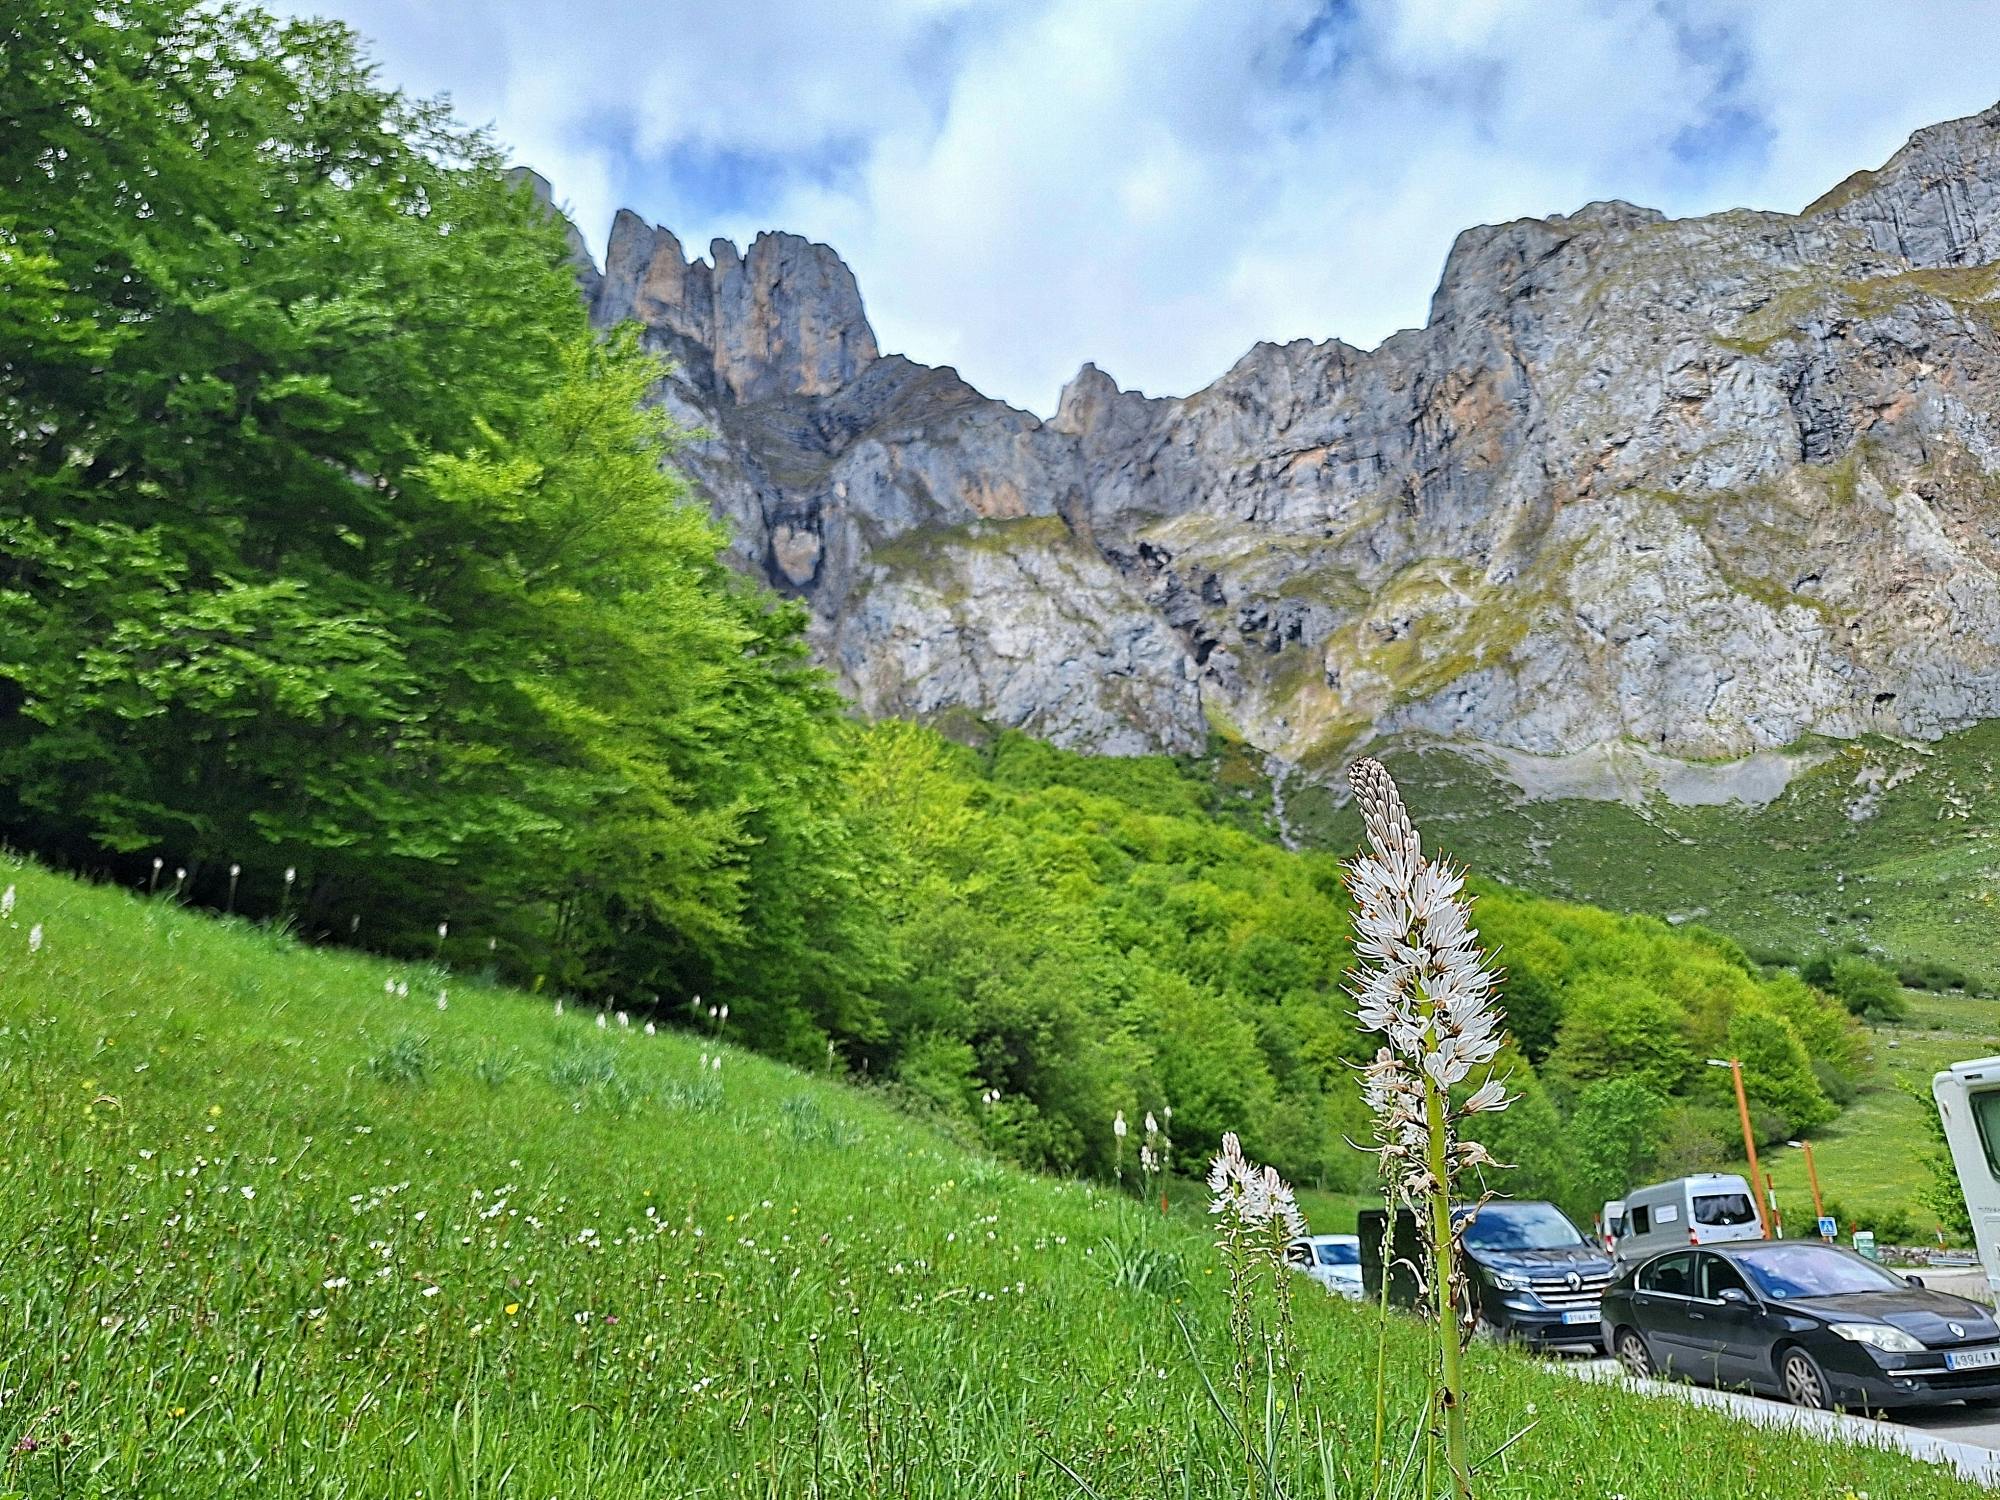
column 1426, row 986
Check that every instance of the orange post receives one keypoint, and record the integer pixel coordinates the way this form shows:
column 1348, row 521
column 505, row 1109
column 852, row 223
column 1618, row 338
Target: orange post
column 1735, row 1066
column 1812, row 1176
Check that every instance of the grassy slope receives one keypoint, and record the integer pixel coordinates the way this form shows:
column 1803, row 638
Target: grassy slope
column 239, row 1260
column 1915, row 879
column 1866, row 1158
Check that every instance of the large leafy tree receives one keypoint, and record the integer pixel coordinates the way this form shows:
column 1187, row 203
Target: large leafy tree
column 333, row 540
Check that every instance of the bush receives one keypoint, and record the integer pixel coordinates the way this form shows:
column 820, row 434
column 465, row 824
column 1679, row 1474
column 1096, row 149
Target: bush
column 1867, row 989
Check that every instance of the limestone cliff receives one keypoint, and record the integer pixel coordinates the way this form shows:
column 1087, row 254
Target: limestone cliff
column 1703, row 487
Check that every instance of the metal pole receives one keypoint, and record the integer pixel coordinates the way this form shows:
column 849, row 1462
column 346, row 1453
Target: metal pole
column 1749, row 1144
column 1812, row 1176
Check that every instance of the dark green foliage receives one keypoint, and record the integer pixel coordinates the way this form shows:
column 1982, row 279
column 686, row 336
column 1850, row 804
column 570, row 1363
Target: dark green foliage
column 1866, row 988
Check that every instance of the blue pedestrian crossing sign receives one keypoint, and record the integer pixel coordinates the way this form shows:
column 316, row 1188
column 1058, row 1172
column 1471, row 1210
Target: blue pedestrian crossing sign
column 1828, row 1230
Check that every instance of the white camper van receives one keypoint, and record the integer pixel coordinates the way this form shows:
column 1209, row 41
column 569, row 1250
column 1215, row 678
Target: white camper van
column 1702, row 1210
column 1968, row 1099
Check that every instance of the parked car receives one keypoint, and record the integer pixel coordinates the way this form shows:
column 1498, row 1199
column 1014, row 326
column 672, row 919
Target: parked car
column 1333, row 1260
column 1532, row 1275
column 1711, row 1208
column 1814, row 1323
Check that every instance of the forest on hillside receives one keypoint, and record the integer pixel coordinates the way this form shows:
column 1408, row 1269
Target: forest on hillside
column 347, row 582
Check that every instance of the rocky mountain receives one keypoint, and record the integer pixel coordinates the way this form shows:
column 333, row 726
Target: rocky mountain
column 1671, row 491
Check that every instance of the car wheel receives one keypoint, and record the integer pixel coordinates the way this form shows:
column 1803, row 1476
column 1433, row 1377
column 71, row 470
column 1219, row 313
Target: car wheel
column 1634, row 1355
column 1804, row 1383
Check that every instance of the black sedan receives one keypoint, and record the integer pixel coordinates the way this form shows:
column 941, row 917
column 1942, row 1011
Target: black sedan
column 1813, row 1323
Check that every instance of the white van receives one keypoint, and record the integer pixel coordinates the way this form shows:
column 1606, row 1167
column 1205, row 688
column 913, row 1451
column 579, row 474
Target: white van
column 1611, row 1222
column 1702, row 1210
column 1968, row 1100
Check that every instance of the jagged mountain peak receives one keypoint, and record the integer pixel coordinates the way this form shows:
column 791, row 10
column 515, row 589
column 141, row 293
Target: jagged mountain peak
column 1701, row 486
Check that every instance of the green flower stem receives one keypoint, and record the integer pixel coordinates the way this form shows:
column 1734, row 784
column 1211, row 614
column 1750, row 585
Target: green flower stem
column 1450, row 1394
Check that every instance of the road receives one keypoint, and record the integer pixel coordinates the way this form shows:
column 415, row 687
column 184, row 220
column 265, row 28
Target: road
column 1967, row 1440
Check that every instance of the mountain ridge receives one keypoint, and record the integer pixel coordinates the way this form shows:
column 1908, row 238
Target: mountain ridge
column 1707, row 487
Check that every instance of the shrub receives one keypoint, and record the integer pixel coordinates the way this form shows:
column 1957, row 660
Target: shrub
column 1867, row 989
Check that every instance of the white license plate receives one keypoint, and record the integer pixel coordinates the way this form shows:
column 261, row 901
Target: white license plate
column 1972, row 1359
column 1586, row 1316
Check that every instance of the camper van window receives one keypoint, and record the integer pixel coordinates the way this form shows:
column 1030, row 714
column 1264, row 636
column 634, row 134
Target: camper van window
column 1724, row 1208
column 1639, row 1220
column 1986, row 1114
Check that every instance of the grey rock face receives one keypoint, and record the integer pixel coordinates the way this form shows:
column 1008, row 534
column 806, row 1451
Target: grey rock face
column 1700, row 488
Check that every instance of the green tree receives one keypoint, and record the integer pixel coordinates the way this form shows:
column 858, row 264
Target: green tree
column 1615, row 1134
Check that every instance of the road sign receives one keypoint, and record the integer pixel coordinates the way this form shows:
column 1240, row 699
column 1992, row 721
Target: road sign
column 1828, row 1229
column 1864, row 1244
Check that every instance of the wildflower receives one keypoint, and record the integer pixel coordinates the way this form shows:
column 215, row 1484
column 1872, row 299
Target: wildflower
column 512, row 1308
column 35, row 938
column 215, row 1111
column 291, row 875
column 388, row 986
column 558, row 1009
column 725, row 1012
column 443, row 996
column 1152, row 1125
column 249, row 1193
column 443, row 929
column 624, row 1020
column 715, row 1063
column 1118, row 1124
column 650, row 1029
column 1427, row 987
column 6, row 903
column 602, row 1021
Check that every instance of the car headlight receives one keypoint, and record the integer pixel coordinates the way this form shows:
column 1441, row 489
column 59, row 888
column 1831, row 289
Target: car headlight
column 1507, row 1283
column 1879, row 1336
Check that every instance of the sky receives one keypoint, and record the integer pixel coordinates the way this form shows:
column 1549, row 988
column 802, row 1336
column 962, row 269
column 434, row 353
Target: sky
column 1154, row 186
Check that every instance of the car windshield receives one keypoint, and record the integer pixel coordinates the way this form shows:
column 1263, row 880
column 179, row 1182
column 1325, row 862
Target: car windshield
column 1724, row 1208
column 1521, row 1226
column 1787, row 1271
column 1339, row 1255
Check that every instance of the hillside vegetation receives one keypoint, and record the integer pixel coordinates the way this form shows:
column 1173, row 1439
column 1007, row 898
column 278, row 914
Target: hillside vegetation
column 348, row 581
column 1876, row 846
column 306, row 1223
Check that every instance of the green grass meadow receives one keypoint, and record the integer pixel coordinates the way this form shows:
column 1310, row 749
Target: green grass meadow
column 284, row 1222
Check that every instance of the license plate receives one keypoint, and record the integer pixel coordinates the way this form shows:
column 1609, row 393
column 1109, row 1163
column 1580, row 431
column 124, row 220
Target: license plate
column 1972, row 1359
column 1586, row 1316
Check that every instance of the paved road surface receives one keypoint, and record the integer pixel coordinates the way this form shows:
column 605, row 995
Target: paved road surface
column 1968, row 1440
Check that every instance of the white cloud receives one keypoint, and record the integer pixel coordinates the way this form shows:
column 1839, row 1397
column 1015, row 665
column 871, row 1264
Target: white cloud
column 1156, row 184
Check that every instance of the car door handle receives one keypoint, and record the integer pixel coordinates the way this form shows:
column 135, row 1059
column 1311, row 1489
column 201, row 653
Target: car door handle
column 1696, row 1317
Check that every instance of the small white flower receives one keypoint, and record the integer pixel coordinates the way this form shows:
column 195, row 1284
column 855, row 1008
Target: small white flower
column 725, row 1013
column 1152, row 1125
column 6, row 903
column 650, row 1029
column 559, row 1007
column 603, row 1021
column 715, row 1063
column 291, row 874
column 35, row 938
column 443, row 997
column 249, row 1192
column 624, row 1020
column 1118, row 1124
column 443, row 928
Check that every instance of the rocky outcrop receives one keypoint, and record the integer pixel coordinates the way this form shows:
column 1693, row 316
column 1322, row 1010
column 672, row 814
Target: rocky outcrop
column 1701, row 487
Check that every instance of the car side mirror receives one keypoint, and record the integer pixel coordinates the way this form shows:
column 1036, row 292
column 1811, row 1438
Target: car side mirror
column 1914, row 1280
column 1735, row 1296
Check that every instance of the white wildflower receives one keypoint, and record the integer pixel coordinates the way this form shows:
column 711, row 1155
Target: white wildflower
column 650, row 1029
column 1118, row 1124
column 6, row 903
column 603, row 1021
column 443, row 997
column 624, row 1019
column 35, row 938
